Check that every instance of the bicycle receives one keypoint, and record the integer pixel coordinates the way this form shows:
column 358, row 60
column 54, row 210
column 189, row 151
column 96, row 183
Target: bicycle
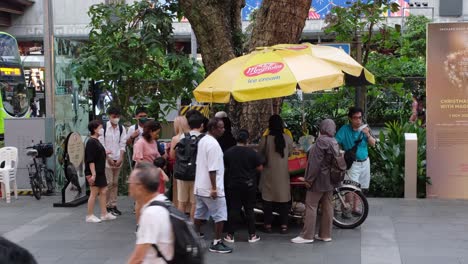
column 40, row 176
column 350, row 205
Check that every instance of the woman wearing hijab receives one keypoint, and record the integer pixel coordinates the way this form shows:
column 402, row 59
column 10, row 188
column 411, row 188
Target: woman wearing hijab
column 319, row 186
column 274, row 182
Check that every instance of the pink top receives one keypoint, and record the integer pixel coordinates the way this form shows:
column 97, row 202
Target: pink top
column 142, row 150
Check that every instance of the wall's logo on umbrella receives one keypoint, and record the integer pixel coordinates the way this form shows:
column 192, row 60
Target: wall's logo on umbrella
column 259, row 69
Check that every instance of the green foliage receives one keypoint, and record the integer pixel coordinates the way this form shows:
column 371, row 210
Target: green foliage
column 388, row 160
column 303, row 117
column 385, row 67
column 361, row 18
column 129, row 49
column 414, row 37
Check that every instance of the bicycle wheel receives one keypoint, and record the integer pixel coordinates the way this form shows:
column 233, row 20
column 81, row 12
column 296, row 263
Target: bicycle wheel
column 36, row 186
column 50, row 180
column 347, row 216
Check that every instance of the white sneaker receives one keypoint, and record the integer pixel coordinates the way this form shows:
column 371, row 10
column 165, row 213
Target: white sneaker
column 254, row 238
column 108, row 216
column 300, row 240
column 92, row 219
column 323, row 239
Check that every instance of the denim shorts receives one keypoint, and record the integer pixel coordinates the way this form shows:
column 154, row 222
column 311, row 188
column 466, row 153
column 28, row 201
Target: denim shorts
column 207, row 206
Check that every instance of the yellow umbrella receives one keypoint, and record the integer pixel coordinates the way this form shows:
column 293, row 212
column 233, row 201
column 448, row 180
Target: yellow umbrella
column 356, row 74
column 268, row 73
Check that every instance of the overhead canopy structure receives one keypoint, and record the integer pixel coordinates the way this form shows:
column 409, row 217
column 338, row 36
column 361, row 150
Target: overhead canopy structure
column 12, row 7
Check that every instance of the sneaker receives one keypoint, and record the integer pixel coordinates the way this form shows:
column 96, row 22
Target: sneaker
column 254, row 238
column 323, row 239
column 229, row 238
column 346, row 215
column 300, row 240
column 108, row 216
column 92, row 219
column 356, row 213
column 116, row 211
column 220, row 248
column 202, row 235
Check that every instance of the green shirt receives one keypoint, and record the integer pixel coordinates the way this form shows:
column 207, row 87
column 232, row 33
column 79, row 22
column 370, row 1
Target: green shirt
column 346, row 137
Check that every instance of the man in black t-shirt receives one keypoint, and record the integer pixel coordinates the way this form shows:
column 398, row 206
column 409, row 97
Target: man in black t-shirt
column 240, row 182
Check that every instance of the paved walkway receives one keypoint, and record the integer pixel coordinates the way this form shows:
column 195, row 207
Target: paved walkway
column 396, row 231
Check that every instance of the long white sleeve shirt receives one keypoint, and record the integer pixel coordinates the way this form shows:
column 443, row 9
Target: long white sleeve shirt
column 113, row 141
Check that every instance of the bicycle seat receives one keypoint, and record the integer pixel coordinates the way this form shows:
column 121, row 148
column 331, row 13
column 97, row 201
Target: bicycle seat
column 31, row 153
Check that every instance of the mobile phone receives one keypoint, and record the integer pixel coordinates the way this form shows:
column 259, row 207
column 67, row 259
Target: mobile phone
column 362, row 127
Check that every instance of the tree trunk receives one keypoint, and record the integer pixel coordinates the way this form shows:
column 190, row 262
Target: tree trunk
column 217, row 26
column 277, row 21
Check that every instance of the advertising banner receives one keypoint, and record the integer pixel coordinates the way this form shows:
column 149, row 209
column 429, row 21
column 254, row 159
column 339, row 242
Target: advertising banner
column 447, row 110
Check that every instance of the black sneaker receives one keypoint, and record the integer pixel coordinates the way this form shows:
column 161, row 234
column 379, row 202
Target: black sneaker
column 116, row 211
column 220, row 248
column 110, row 210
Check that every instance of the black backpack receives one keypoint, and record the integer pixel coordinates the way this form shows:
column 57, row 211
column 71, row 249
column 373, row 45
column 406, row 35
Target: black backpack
column 186, row 157
column 188, row 247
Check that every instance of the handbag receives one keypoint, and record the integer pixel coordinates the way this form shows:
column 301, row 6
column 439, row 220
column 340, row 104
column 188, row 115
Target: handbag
column 350, row 154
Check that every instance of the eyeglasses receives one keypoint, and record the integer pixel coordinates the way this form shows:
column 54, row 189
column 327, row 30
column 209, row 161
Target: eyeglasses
column 356, row 117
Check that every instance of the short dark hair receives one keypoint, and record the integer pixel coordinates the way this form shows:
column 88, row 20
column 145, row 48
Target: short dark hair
column 243, row 136
column 148, row 175
column 149, row 127
column 159, row 162
column 93, row 125
column 353, row 110
column 195, row 119
column 140, row 109
column 113, row 110
column 14, row 254
column 213, row 123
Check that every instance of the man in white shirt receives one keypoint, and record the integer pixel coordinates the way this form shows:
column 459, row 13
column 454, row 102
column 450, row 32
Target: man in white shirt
column 113, row 139
column 133, row 133
column 154, row 226
column 209, row 184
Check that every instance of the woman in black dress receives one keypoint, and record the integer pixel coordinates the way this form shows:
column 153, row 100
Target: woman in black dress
column 95, row 163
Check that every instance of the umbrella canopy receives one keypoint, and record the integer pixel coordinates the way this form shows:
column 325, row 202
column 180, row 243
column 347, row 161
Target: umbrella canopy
column 355, row 74
column 271, row 73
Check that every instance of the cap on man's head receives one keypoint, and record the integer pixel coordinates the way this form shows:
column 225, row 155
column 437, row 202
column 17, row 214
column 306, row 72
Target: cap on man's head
column 221, row 114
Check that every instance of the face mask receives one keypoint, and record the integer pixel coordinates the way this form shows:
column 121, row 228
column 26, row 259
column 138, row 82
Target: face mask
column 143, row 120
column 115, row 121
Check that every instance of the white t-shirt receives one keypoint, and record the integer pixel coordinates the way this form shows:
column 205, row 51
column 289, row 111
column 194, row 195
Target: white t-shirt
column 209, row 158
column 130, row 131
column 192, row 133
column 155, row 227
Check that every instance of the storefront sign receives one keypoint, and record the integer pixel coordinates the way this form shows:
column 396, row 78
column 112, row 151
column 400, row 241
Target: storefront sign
column 447, row 110
column 10, row 71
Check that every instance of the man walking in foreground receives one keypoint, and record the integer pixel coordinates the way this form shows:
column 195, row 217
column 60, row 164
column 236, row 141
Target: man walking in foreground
column 154, row 226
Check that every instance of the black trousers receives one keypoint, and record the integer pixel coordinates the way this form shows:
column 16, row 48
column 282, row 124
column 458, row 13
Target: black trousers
column 238, row 197
column 283, row 210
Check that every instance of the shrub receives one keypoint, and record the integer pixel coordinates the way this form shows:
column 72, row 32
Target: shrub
column 388, row 160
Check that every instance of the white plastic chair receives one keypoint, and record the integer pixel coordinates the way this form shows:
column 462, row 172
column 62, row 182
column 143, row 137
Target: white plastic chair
column 9, row 156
